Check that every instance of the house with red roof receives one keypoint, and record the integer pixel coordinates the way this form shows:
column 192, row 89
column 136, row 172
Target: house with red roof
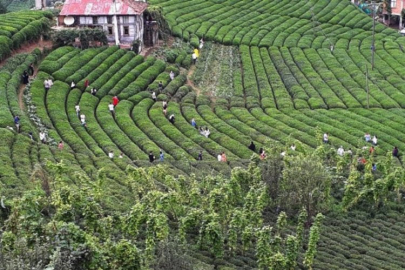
column 122, row 20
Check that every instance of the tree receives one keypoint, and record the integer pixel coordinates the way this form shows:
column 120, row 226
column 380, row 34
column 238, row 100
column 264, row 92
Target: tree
column 224, row 216
column 85, row 35
column 313, row 240
column 305, row 183
column 272, row 170
column 3, row 9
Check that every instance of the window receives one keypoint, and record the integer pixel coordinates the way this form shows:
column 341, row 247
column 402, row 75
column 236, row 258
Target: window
column 393, row 3
column 125, row 19
column 95, row 20
column 109, row 19
column 126, row 30
column 110, row 30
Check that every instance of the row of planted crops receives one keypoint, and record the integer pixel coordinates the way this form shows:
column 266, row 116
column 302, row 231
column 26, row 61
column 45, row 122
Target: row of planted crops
column 17, row 5
column 18, row 28
column 303, row 24
column 282, row 84
column 357, row 241
column 294, row 78
column 140, row 125
column 308, row 78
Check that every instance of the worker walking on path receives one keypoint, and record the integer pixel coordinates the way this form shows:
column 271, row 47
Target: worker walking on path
column 115, row 101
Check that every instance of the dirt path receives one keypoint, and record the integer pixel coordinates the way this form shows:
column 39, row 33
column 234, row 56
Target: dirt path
column 21, row 97
column 149, row 50
column 27, row 48
column 190, row 82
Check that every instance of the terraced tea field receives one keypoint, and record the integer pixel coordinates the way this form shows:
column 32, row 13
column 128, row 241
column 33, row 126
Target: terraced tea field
column 20, row 27
column 17, row 5
column 304, row 24
column 266, row 74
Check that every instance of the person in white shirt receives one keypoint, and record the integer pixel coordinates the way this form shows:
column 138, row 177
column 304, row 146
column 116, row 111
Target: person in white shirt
column 374, row 140
column 283, row 154
column 77, row 108
column 42, row 137
column 194, row 57
column 340, row 151
column 111, row 154
column 325, row 138
column 154, row 96
column 111, row 108
column 349, row 152
column 219, row 157
column 367, row 137
column 72, row 85
column 293, row 147
column 201, row 44
column 171, row 75
column 50, row 82
column 164, row 107
column 46, row 85
column 207, row 132
column 83, row 120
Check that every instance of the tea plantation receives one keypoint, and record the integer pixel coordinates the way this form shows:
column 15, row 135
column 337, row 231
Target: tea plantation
column 275, row 73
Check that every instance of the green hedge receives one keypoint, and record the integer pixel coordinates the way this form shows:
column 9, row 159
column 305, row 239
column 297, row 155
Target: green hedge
column 16, row 28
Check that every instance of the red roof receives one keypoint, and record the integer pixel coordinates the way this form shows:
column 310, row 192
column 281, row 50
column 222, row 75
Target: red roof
column 102, row 7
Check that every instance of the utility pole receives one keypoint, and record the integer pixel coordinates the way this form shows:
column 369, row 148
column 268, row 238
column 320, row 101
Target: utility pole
column 368, row 89
column 373, row 40
column 117, row 39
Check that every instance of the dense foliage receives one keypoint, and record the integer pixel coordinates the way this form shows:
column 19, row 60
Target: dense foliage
column 282, row 87
column 86, row 37
column 72, row 228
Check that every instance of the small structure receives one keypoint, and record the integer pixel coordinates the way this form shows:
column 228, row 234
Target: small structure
column 396, row 11
column 122, row 20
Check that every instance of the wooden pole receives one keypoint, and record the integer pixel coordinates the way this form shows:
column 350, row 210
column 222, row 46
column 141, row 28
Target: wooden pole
column 373, row 41
column 368, row 89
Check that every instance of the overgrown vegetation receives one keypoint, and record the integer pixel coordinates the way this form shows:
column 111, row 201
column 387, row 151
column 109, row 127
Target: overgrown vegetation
column 68, row 225
column 85, row 37
column 282, row 88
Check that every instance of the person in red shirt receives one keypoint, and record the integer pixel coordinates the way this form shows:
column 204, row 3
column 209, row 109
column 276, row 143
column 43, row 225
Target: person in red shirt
column 362, row 160
column 115, row 101
column 223, row 157
column 86, row 84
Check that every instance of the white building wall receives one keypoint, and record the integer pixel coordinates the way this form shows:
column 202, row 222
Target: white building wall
column 102, row 19
column 134, row 23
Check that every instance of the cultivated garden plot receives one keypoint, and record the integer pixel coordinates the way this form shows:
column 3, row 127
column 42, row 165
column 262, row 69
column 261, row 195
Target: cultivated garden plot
column 217, row 69
column 17, row 5
column 266, row 74
column 294, row 78
column 357, row 241
column 18, row 28
column 139, row 125
column 309, row 24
